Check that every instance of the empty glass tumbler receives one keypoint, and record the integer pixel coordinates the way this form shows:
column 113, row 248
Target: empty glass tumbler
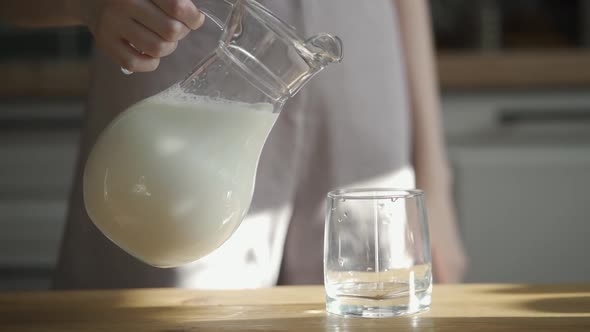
column 377, row 259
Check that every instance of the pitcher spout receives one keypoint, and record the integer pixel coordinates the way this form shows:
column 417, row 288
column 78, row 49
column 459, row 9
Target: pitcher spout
column 318, row 52
column 325, row 48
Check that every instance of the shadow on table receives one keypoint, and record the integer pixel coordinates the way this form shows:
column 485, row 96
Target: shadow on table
column 575, row 299
column 564, row 305
column 240, row 318
column 146, row 312
column 540, row 289
column 439, row 324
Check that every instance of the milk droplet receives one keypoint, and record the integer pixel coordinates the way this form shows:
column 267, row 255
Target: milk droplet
column 333, row 208
column 381, row 205
column 343, row 199
column 393, row 200
column 339, row 219
column 341, row 261
column 369, row 269
column 345, row 214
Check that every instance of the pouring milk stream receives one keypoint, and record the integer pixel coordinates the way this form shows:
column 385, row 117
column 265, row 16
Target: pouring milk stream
column 171, row 178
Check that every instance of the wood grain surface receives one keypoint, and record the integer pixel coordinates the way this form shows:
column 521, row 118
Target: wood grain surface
column 455, row 308
column 56, row 79
column 515, row 69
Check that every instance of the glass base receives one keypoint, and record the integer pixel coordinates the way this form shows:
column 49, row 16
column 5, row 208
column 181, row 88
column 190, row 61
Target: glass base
column 377, row 308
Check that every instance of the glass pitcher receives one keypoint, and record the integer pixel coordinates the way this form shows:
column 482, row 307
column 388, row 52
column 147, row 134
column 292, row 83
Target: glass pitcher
column 171, row 178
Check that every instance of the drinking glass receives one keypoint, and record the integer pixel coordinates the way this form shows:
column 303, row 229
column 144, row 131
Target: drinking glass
column 377, row 253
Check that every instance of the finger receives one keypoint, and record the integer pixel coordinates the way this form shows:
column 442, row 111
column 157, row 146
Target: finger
column 147, row 41
column 156, row 20
column 127, row 57
column 182, row 10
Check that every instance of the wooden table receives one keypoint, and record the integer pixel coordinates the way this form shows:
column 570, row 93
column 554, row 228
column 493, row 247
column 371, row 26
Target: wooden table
column 455, row 308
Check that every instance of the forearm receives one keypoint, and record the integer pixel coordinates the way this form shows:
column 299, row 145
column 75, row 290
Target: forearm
column 40, row 13
column 429, row 156
column 430, row 161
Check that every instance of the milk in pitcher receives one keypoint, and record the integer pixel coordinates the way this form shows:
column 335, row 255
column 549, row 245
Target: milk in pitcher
column 184, row 165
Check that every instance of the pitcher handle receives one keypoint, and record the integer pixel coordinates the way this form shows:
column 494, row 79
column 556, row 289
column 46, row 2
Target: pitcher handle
column 216, row 10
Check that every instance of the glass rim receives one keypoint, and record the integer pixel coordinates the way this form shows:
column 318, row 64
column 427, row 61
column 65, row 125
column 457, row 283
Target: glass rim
column 374, row 193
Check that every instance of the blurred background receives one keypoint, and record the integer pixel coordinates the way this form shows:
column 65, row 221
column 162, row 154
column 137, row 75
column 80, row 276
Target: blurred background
column 515, row 77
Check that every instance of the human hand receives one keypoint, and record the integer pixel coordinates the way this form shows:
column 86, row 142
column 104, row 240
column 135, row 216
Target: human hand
column 137, row 33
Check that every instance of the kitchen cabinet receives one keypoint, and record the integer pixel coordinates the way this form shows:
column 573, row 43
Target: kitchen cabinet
column 38, row 150
column 521, row 164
